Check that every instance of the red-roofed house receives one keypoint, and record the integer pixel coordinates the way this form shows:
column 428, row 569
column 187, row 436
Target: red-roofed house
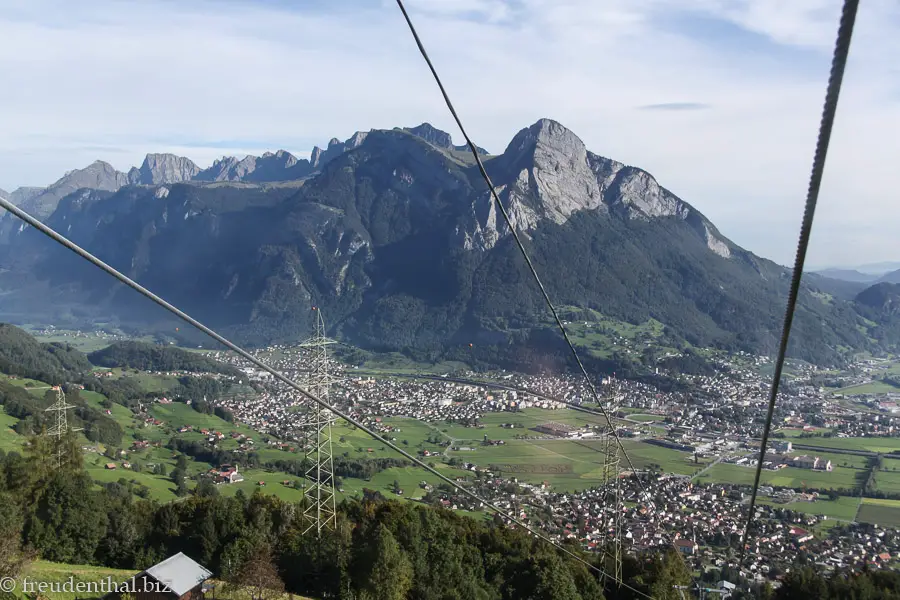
column 800, row 535
column 688, row 547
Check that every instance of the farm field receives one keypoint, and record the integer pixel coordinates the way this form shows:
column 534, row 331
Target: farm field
column 572, row 464
column 842, row 509
column 148, row 381
column 891, row 464
column 874, row 387
column 887, row 481
column 791, row 477
column 35, row 387
column 794, row 433
column 645, row 418
column 881, row 512
column 531, row 417
column 867, row 444
column 9, row 439
column 85, row 342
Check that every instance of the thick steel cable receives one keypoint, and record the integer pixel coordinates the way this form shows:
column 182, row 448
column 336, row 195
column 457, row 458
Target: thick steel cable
column 515, row 235
column 835, row 79
column 521, row 247
column 62, row 240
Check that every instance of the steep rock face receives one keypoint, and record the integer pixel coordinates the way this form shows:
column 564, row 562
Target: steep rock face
column 641, row 197
column 318, row 157
column 553, row 175
column 163, row 168
column 277, row 166
column 547, row 172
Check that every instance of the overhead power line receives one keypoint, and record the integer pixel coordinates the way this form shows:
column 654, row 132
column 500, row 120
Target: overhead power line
column 835, row 79
column 62, row 240
column 515, row 235
column 493, row 191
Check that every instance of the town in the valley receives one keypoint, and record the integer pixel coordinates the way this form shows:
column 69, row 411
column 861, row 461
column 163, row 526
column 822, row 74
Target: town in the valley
column 533, row 445
column 831, row 462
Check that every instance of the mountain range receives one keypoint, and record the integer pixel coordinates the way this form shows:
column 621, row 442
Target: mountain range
column 394, row 234
column 860, row 276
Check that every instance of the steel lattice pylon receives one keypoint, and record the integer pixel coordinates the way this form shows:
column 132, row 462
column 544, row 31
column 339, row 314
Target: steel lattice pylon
column 62, row 424
column 612, row 497
column 318, row 485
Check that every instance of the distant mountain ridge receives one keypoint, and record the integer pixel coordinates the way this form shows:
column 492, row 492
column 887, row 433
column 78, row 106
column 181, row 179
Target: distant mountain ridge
column 165, row 168
column 394, row 235
column 847, row 275
column 892, row 277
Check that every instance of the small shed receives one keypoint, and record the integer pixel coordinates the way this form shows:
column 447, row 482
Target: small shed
column 178, row 577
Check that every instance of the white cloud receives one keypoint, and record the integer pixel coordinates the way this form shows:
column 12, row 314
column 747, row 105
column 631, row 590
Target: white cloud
column 114, row 80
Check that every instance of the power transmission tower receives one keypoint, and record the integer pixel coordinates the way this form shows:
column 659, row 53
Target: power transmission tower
column 318, row 485
column 61, row 427
column 613, row 482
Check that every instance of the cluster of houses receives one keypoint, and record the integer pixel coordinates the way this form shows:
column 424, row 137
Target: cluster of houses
column 720, row 413
column 775, row 461
column 225, row 474
column 703, row 522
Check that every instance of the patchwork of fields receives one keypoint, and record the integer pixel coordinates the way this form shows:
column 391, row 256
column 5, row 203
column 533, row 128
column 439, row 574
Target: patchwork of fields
column 565, row 464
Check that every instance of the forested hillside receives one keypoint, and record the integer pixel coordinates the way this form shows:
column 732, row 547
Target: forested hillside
column 151, row 357
column 380, row 550
column 21, row 354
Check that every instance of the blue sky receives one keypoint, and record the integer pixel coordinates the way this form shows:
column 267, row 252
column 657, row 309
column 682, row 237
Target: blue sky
column 719, row 99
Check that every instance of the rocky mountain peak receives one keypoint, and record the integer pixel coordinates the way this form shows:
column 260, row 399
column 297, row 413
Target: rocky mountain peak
column 357, row 139
column 21, row 194
column 281, row 157
column 432, row 135
column 545, row 139
column 438, row 138
column 163, row 168
column 546, row 169
column 319, row 157
column 41, row 202
column 98, row 175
